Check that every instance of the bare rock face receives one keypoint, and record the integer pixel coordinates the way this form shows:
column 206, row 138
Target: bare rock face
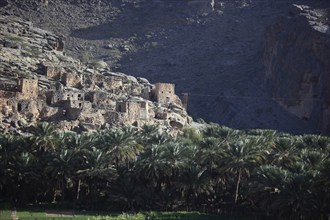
column 297, row 60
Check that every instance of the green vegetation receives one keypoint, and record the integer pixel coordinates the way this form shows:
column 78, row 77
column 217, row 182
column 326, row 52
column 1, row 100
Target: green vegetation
column 62, row 58
column 218, row 170
column 23, row 215
column 15, row 38
column 86, row 57
column 98, row 64
column 28, row 214
column 5, row 214
column 34, row 51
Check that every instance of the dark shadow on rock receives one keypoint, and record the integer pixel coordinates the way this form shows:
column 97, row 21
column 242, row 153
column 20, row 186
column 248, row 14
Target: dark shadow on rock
column 219, row 64
column 209, row 60
column 139, row 21
column 3, row 3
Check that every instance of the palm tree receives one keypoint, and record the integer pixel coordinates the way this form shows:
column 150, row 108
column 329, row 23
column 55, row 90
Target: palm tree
column 82, row 145
column 148, row 134
column 177, row 156
column 120, row 146
column 316, row 142
column 297, row 199
column 97, row 173
column 128, row 192
column 152, row 165
column 322, row 187
column 269, row 183
column 44, row 137
column 153, row 170
column 27, row 174
column 194, row 184
column 210, row 153
column 11, row 148
column 239, row 158
column 292, row 193
column 214, row 130
column 60, row 168
column 283, row 153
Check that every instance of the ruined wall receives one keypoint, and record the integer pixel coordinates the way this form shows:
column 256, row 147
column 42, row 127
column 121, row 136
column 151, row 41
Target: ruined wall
column 101, row 100
column 72, row 113
column 144, row 111
column 113, row 83
column 53, row 72
column 7, row 105
column 121, row 107
column 58, row 45
column 28, row 89
column 10, row 87
column 145, row 92
column 7, row 94
column 185, row 99
column 28, row 108
column 112, row 117
column 67, row 104
column 91, row 120
column 58, row 97
column 134, row 112
column 51, row 113
column 134, row 90
column 76, row 104
column 164, row 93
column 72, row 80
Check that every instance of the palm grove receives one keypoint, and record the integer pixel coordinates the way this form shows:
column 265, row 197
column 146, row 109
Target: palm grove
column 217, row 170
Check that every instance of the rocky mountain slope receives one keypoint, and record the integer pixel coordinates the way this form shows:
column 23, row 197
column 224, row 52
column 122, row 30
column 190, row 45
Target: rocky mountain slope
column 297, row 57
column 217, row 55
column 40, row 82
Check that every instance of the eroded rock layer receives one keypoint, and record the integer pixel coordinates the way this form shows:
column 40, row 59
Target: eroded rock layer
column 297, row 58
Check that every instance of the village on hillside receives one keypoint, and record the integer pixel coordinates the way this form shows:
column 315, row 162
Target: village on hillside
column 39, row 82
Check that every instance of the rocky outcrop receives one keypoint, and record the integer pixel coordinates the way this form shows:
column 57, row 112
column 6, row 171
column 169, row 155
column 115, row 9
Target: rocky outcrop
column 39, row 82
column 297, row 60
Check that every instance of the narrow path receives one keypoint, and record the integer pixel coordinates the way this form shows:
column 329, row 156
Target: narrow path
column 13, row 215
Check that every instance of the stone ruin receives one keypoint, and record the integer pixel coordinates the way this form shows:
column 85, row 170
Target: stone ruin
column 53, row 87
